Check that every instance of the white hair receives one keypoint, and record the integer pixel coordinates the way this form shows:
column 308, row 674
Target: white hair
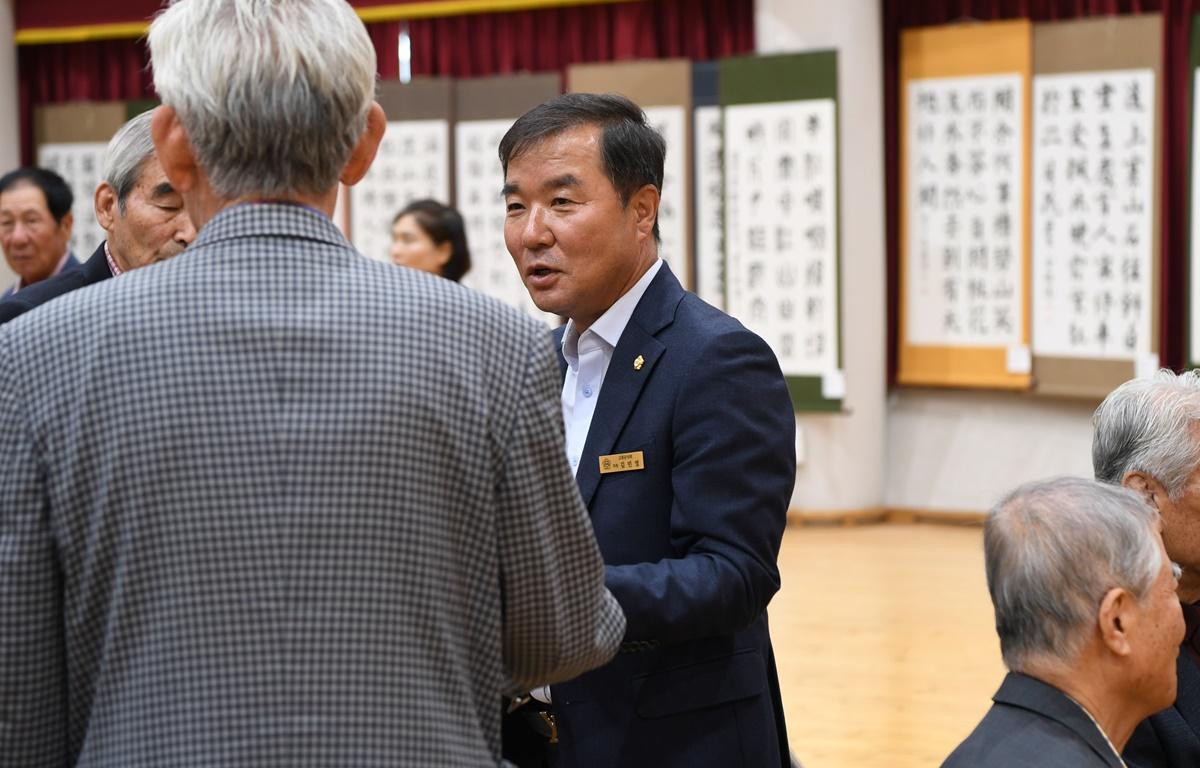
column 126, row 154
column 1147, row 425
column 1052, row 550
column 273, row 94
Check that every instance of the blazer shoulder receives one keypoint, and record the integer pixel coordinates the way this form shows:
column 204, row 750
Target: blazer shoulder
column 40, row 293
column 702, row 330
column 697, row 315
column 469, row 322
column 79, row 276
column 1009, row 736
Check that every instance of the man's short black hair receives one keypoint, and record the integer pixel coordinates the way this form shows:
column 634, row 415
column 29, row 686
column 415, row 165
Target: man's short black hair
column 631, row 151
column 58, row 195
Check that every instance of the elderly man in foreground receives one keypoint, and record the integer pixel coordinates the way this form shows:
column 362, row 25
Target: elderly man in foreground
column 1089, row 626
column 1147, row 438
column 314, row 509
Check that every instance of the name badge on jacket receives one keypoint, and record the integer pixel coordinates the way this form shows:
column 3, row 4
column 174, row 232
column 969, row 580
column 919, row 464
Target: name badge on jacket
column 621, row 462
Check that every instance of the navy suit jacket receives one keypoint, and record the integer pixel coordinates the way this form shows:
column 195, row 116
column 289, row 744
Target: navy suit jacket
column 71, row 278
column 689, row 542
column 1171, row 738
column 1033, row 725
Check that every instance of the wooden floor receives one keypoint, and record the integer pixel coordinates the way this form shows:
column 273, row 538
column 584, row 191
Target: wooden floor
column 884, row 640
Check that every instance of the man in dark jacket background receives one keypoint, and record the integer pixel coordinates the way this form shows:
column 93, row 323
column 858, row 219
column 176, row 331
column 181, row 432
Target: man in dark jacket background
column 138, row 208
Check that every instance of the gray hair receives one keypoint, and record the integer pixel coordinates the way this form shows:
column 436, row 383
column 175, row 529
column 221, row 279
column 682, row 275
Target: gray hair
column 128, row 150
column 273, row 94
column 1146, row 425
column 1052, row 550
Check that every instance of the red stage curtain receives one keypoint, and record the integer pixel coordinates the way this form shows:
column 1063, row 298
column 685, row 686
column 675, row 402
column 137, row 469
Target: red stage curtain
column 462, row 46
column 76, row 13
column 1177, row 16
column 549, row 40
column 105, row 70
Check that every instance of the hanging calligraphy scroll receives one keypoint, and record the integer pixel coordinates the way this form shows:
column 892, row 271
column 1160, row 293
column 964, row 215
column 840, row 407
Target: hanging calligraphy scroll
column 781, row 208
column 486, row 108
column 413, row 161
column 964, row 181
column 664, row 90
column 1095, row 211
column 71, row 141
column 708, row 235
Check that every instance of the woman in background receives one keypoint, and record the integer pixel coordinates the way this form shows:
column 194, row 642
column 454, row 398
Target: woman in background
column 429, row 236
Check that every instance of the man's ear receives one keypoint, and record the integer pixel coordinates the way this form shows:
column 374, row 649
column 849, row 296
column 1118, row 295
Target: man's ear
column 68, row 221
column 364, row 152
column 174, row 150
column 1116, row 619
column 645, row 204
column 105, row 203
column 1145, row 485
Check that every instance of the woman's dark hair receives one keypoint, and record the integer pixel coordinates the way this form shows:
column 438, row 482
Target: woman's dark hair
column 443, row 224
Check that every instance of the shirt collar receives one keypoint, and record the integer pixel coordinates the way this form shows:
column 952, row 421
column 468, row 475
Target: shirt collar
column 113, row 266
column 1115, row 751
column 609, row 326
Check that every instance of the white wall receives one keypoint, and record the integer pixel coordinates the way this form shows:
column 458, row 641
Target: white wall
column 10, row 135
column 913, row 449
column 961, row 451
column 843, row 464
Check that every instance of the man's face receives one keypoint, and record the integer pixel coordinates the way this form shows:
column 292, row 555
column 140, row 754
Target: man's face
column 33, row 242
column 577, row 248
column 154, row 225
column 1180, row 516
column 1181, row 523
column 1161, row 622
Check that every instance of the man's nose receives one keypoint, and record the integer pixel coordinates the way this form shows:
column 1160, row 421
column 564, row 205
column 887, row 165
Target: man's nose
column 536, row 233
column 186, row 231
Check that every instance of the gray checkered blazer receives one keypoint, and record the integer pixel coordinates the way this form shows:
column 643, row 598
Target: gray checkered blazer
column 271, row 503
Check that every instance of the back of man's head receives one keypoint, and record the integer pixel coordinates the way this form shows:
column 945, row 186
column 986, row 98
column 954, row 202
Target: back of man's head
column 59, row 197
column 273, row 94
column 1148, row 425
column 1052, row 550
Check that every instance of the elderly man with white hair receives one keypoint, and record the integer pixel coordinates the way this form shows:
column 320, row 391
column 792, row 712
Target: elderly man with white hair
column 136, row 206
column 1147, row 438
column 1089, row 626
column 332, row 523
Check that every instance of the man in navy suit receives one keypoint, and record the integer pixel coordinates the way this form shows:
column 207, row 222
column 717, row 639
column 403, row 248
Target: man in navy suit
column 35, row 226
column 681, row 434
column 136, row 206
column 1089, row 626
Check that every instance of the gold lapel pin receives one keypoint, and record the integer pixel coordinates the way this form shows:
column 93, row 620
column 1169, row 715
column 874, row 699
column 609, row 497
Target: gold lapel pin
column 638, row 362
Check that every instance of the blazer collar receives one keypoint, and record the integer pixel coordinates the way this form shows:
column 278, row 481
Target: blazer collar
column 96, row 267
column 1022, row 691
column 267, row 220
column 626, row 377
